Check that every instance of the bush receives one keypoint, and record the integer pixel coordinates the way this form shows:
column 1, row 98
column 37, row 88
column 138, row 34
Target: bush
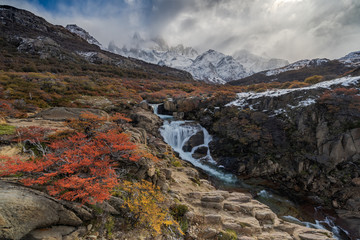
column 7, row 129
column 314, row 79
column 145, row 203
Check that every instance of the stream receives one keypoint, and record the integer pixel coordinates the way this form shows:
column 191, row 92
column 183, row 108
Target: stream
column 177, row 134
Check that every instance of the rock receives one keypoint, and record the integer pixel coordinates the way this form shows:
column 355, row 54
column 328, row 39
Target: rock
column 65, row 113
column 265, row 215
column 191, row 172
column 81, row 231
column 214, row 205
column 200, row 152
column 195, row 140
column 170, row 106
column 213, row 219
column 195, row 195
column 53, row 233
column 209, row 233
column 275, row 236
column 168, row 173
column 356, row 181
column 146, row 120
column 238, row 197
column 144, row 105
column 212, row 197
column 23, row 210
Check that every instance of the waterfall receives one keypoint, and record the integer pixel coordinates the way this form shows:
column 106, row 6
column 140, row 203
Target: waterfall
column 155, row 108
column 177, row 133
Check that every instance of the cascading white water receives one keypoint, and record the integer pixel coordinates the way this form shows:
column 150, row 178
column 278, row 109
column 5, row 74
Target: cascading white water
column 155, row 107
column 336, row 230
column 177, row 133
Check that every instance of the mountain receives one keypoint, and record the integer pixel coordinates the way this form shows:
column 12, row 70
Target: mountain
column 254, row 63
column 25, row 35
column 83, row 34
column 302, row 69
column 156, row 51
column 216, row 67
column 210, row 66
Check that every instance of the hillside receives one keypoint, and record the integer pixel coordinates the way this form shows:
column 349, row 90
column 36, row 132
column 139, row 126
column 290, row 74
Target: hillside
column 303, row 69
column 30, row 43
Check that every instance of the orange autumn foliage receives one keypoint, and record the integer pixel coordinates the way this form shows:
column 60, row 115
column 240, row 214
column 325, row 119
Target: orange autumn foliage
column 78, row 168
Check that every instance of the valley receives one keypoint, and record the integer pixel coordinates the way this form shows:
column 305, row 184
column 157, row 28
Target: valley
column 152, row 141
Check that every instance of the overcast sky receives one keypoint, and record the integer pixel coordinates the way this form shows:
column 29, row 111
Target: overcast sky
column 288, row 29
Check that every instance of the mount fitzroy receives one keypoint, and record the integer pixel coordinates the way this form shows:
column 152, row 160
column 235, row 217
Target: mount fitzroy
column 210, row 66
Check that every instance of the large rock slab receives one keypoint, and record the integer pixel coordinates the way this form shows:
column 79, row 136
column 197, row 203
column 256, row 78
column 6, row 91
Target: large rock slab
column 23, row 210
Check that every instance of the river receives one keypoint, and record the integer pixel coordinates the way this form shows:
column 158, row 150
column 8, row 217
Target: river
column 177, row 133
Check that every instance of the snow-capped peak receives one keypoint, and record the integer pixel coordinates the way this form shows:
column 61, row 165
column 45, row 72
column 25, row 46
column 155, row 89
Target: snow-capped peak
column 216, row 67
column 83, row 34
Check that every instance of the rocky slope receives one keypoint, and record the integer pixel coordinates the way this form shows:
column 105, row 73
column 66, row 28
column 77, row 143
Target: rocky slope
column 83, row 34
column 33, row 35
column 210, row 214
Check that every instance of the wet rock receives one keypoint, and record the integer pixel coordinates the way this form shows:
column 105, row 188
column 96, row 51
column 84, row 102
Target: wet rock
column 200, row 152
column 195, row 140
column 170, row 106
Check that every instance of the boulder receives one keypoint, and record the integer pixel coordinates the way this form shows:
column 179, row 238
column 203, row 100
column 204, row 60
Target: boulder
column 23, row 210
column 200, row 152
column 195, row 140
column 146, row 120
column 212, row 197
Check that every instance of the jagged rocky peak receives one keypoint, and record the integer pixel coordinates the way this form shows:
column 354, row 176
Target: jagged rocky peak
column 83, row 34
column 255, row 63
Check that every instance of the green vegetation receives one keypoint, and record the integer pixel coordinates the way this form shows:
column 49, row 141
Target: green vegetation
column 227, row 235
column 6, row 129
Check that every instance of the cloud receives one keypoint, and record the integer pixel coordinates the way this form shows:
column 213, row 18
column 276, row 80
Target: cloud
column 289, row 29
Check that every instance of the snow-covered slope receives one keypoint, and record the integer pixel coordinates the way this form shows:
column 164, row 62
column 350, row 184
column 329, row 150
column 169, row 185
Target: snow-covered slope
column 216, row 67
column 297, row 65
column 351, row 60
column 246, row 99
column 254, row 63
column 83, row 34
